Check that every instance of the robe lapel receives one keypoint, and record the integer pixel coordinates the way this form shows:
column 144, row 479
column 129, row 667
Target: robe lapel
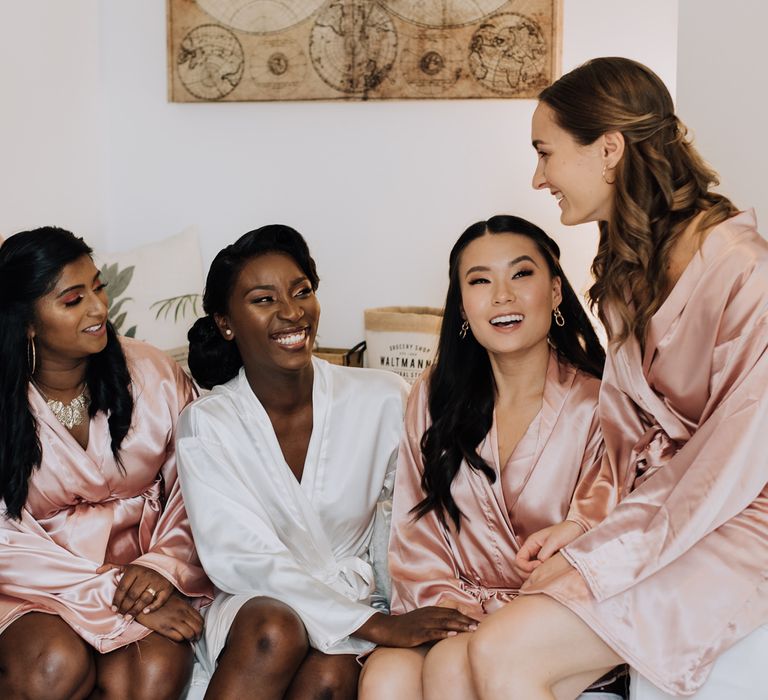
column 292, row 496
column 557, row 384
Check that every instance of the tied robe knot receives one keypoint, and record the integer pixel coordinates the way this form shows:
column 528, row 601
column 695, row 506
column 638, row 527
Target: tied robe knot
column 351, row 576
column 490, row 599
column 652, row 451
column 154, row 501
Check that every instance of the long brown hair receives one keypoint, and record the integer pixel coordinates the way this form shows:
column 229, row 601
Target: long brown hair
column 661, row 182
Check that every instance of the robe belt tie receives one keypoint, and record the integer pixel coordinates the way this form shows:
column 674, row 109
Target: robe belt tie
column 652, row 451
column 154, row 494
column 154, row 497
column 490, row 599
column 352, row 577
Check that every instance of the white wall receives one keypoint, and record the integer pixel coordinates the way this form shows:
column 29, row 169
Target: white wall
column 723, row 93
column 380, row 190
column 52, row 168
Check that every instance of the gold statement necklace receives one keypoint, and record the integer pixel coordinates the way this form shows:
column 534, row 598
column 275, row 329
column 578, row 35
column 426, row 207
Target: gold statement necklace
column 72, row 413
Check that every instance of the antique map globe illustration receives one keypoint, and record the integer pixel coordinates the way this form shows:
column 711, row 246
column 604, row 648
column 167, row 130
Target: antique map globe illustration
column 353, row 45
column 210, row 62
column 260, row 16
column 507, row 54
column 443, row 13
column 241, row 50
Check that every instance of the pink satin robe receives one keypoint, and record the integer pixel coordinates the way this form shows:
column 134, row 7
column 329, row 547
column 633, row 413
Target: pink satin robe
column 82, row 512
column 678, row 572
column 560, row 453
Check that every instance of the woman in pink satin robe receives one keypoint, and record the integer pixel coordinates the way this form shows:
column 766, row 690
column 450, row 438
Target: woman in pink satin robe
column 502, row 445
column 675, row 580
column 95, row 548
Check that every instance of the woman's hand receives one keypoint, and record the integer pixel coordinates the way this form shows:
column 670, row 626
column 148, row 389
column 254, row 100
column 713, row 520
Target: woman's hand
column 416, row 627
column 141, row 590
column 541, row 545
column 549, row 570
column 176, row 620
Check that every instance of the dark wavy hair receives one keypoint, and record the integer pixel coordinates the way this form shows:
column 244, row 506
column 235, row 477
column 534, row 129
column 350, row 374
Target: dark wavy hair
column 461, row 387
column 661, row 182
column 31, row 262
column 212, row 359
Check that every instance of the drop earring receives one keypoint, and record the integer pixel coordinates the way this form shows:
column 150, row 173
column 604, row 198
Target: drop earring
column 464, row 329
column 558, row 316
column 31, row 355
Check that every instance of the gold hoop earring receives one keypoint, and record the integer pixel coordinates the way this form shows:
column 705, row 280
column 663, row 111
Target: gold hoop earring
column 559, row 320
column 605, row 179
column 31, row 355
column 464, row 329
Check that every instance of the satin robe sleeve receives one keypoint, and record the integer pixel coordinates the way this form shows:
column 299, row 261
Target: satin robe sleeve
column 421, row 564
column 171, row 551
column 596, row 492
column 63, row 583
column 243, row 554
column 712, row 478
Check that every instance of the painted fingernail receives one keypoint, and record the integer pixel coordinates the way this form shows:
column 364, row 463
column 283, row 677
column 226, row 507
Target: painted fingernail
column 145, row 611
column 129, row 617
column 114, row 608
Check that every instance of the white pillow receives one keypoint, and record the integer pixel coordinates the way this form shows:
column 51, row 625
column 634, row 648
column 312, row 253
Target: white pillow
column 155, row 291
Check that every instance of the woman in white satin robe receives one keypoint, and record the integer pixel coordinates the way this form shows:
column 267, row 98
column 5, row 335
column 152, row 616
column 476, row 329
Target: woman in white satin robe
column 99, row 580
column 281, row 466
column 673, row 581
column 505, row 422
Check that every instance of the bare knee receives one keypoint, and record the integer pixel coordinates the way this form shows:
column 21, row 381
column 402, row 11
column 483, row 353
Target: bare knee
column 52, row 666
column 391, row 673
column 334, row 683
column 265, row 629
column 154, row 668
column 163, row 673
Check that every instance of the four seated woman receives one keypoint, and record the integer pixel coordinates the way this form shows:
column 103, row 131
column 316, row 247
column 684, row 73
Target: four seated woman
column 281, row 467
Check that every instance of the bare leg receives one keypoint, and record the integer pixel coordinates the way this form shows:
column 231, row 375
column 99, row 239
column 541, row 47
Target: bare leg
column 43, row 658
column 154, row 668
column 392, row 673
column 325, row 677
column 446, row 674
column 536, row 649
column 265, row 647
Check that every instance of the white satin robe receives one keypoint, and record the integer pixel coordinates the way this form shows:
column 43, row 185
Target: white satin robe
column 82, row 511
column 678, row 572
column 554, row 473
column 261, row 532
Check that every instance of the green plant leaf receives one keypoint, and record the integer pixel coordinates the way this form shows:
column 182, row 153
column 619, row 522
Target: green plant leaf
column 122, row 280
column 131, row 332
column 179, row 305
column 119, row 321
column 114, row 309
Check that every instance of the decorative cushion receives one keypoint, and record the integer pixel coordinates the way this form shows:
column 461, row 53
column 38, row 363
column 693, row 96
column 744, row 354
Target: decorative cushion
column 155, row 290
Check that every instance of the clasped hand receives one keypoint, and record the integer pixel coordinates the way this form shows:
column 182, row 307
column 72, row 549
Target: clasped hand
column 151, row 599
column 541, row 545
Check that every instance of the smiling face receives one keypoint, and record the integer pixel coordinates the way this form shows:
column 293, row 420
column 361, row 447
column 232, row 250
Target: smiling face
column 571, row 172
column 272, row 315
column 507, row 293
column 70, row 321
